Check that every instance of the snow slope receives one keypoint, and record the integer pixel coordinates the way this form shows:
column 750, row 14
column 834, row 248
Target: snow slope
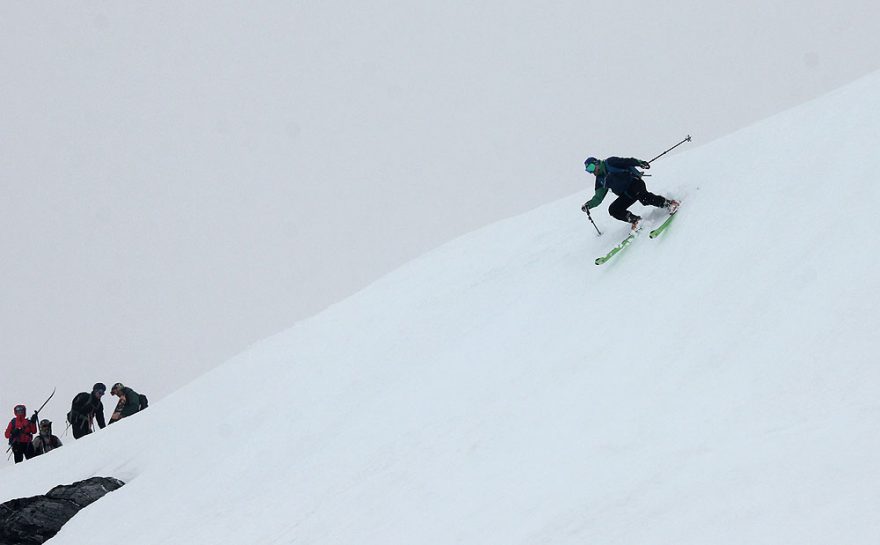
column 717, row 385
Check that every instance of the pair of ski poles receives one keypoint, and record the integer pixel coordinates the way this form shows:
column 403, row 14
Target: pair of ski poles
column 687, row 139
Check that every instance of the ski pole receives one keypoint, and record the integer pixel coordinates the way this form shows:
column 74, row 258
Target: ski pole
column 587, row 210
column 688, row 139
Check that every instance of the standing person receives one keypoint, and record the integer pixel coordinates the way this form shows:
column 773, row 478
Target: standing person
column 85, row 408
column 45, row 441
column 129, row 402
column 624, row 180
column 20, row 433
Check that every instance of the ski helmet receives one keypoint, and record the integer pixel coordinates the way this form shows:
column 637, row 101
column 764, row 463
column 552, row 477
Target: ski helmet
column 99, row 387
column 117, row 388
column 20, row 409
column 591, row 162
column 46, row 425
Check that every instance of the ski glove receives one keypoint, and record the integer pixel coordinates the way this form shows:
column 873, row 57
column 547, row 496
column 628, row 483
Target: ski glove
column 645, row 165
column 585, row 208
column 33, row 418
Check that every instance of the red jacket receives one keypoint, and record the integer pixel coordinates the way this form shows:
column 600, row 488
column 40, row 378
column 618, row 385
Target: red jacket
column 28, row 429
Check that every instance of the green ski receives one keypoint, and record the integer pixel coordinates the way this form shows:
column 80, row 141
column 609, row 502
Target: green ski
column 656, row 232
column 614, row 251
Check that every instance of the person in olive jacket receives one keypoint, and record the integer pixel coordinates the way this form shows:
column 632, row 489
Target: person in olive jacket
column 129, row 402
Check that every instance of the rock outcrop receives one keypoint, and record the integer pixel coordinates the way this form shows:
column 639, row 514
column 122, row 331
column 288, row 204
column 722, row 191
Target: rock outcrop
column 34, row 520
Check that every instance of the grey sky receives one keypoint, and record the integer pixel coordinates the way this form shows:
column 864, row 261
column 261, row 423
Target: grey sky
column 177, row 182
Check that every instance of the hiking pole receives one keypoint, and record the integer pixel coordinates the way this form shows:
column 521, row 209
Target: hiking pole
column 587, row 210
column 688, row 139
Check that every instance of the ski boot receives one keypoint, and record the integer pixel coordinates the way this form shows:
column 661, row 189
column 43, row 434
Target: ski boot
column 634, row 221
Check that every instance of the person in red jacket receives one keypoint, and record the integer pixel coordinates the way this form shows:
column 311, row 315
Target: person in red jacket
column 20, row 433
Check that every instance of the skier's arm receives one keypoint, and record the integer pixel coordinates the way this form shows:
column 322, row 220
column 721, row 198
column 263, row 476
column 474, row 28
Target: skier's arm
column 117, row 412
column 597, row 198
column 9, row 429
column 623, row 162
column 99, row 416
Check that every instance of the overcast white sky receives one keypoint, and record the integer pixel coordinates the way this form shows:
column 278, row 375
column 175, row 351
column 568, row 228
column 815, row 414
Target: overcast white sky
column 178, row 181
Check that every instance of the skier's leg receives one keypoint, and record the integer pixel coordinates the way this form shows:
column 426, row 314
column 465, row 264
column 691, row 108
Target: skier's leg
column 618, row 209
column 649, row 199
column 17, row 452
column 644, row 196
column 80, row 429
column 29, row 451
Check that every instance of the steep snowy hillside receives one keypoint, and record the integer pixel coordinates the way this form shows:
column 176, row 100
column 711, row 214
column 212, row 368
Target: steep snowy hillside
column 716, row 385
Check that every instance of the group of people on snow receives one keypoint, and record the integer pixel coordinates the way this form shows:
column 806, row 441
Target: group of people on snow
column 29, row 438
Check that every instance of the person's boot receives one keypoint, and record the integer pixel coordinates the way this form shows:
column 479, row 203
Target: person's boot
column 672, row 206
column 633, row 220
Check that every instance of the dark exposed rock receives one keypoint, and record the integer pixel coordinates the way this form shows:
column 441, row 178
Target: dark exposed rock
column 27, row 521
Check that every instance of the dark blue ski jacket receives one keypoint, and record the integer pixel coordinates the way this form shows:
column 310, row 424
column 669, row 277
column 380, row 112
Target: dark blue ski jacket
column 616, row 174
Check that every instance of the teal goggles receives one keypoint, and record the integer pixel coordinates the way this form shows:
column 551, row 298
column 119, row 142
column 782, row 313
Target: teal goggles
column 591, row 167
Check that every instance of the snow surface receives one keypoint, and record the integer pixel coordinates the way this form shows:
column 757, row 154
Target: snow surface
column 716, row 385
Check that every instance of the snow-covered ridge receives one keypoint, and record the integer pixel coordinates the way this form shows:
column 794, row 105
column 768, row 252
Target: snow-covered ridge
column 716, row 385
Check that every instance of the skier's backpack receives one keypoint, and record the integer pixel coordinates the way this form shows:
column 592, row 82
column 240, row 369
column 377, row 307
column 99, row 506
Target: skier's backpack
column 78, row 401
column 143, row 403
column 633, row 171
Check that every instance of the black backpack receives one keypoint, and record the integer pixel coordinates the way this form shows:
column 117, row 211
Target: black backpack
column 76, row 406
column 144, row 403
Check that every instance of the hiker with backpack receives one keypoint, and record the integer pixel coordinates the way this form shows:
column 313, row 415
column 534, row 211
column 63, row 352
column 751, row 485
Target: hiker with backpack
column 624, row 179
column 20, row 433
column 45, row 441
column 85, row 409
column 129, row 403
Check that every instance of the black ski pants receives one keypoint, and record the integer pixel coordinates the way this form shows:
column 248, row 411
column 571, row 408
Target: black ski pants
column 637, row 191
column 80, row 427
column 20, row 451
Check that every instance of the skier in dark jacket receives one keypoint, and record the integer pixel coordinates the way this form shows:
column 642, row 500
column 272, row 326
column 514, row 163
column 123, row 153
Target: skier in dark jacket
column 45, row 441
column 85, row 408
column 20, row 433
column 129, row 402
column 624, row 180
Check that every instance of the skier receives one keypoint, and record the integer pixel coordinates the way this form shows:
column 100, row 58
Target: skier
column 129, row 402
column 624, row 180
column 45, row 442
column 85, row 408
column 20, row 433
